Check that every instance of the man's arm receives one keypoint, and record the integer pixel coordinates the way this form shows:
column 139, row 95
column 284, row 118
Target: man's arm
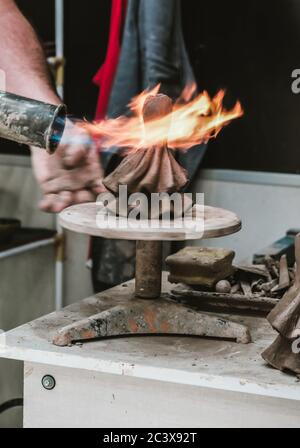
column 21, row 56
column 73, row 173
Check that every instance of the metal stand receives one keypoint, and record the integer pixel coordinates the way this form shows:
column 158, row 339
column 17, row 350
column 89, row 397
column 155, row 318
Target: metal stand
column 148, row 313
column 148, row 269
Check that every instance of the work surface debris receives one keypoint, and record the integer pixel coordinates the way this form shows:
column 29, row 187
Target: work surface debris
column 249, row 286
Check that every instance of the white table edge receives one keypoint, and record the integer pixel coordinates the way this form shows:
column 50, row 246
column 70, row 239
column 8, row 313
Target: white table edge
column 230, row 384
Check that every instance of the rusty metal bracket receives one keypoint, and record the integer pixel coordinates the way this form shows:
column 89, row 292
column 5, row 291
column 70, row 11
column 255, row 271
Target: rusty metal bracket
column 160, row 316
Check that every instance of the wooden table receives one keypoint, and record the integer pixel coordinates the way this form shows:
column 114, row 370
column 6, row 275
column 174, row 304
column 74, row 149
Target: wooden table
column 149, row 381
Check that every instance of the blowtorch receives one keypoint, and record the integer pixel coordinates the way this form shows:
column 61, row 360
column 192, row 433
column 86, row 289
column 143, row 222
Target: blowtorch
column 31, row 122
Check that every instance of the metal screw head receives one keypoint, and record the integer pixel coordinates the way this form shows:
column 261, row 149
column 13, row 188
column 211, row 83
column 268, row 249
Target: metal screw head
column 48, row 382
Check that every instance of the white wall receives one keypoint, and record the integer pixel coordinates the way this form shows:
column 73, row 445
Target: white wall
column 268, row 204
column 19, row 198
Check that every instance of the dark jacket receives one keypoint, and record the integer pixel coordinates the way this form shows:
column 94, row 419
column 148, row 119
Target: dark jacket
column 153, row 51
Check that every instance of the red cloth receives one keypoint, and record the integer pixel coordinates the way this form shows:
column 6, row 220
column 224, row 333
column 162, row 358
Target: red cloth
column 104, row 78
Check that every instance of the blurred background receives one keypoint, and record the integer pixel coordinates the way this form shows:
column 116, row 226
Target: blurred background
column 249, row 48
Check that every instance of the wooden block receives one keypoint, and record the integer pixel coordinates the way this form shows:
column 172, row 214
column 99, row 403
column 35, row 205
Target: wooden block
column 200, row 266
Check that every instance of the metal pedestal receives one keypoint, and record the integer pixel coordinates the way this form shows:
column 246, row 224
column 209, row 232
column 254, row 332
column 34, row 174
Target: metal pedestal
column 149, row 313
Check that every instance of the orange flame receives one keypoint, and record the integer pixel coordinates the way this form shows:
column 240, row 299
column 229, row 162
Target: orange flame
column 193, row 121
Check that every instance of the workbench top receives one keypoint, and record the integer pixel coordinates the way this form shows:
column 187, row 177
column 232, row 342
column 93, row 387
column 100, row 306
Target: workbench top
column 193, row 361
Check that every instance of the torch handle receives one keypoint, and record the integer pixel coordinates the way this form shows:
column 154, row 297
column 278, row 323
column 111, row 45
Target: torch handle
column 31, row 122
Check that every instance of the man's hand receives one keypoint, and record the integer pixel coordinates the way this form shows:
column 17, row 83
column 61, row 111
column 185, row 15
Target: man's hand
column 72, row 174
